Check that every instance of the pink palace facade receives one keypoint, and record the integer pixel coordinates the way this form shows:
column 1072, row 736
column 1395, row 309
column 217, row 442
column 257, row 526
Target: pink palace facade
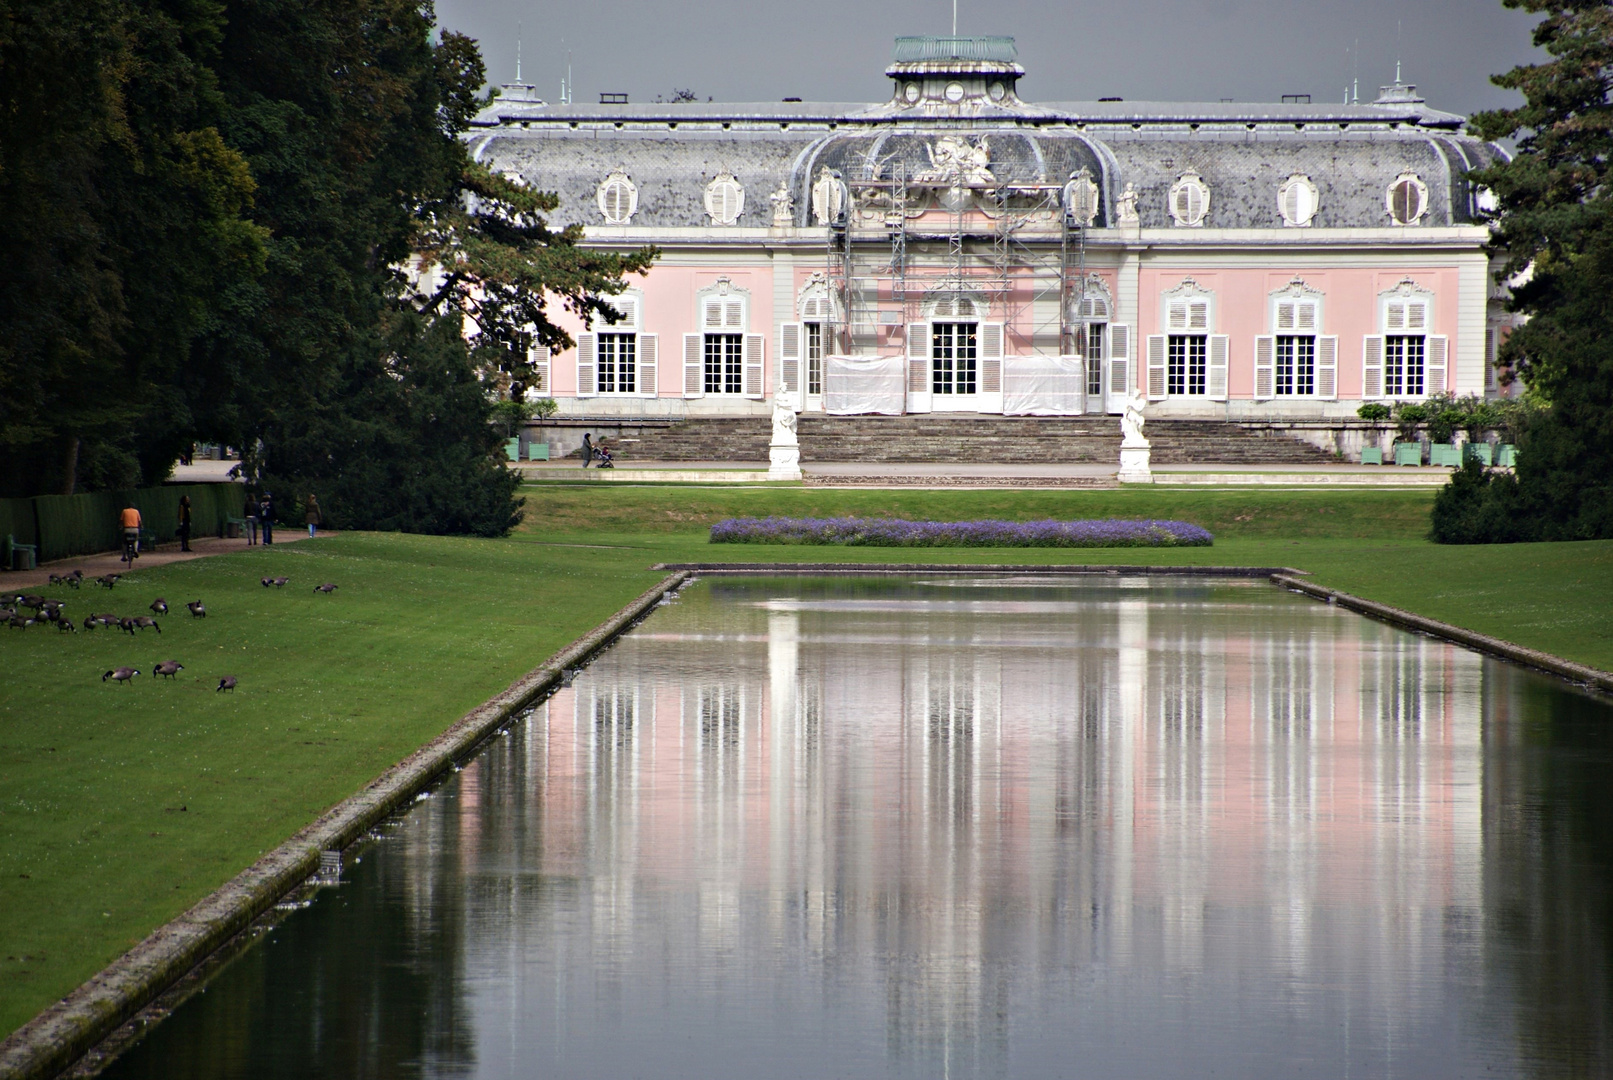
column 957, row 249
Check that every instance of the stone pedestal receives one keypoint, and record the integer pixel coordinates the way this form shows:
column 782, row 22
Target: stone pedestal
column 784, row 462
column 1134, row 464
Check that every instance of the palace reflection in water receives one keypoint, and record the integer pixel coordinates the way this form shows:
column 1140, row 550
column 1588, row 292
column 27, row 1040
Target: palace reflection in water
column 967, row 827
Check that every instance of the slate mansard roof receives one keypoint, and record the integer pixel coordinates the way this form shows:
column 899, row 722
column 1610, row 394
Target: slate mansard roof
column 1243, row 152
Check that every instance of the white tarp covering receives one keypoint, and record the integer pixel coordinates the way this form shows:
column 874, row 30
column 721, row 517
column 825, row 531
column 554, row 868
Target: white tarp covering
column 853, row 386
column 1043, row 386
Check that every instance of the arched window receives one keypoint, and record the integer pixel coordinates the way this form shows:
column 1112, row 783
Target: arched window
column 1298, row 201
column 725, row 199
column 1407, row 199
column 1189, row 200
column 617, row 198
column 1090, row 313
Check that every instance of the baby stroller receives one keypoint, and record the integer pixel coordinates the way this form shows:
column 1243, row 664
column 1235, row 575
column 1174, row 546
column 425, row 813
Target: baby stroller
column 602, row 455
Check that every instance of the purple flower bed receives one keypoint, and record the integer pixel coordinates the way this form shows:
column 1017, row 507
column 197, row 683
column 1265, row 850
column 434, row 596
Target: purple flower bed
column 894, row 532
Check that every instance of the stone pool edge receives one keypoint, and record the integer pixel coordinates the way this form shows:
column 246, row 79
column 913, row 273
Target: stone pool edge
column 59, row 1036
column 1406, row 620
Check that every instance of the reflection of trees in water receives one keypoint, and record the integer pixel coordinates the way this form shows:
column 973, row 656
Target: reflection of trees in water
column 1548, row 878
column 365, row 984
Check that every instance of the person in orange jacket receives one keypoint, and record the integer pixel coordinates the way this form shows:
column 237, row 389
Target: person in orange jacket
column 130, row 520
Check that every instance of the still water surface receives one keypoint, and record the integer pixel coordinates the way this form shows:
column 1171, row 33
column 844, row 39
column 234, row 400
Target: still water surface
column 966, row 828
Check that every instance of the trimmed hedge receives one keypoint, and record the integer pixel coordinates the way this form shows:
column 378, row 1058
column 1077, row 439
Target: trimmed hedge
column 896, row 532
column 67, row 525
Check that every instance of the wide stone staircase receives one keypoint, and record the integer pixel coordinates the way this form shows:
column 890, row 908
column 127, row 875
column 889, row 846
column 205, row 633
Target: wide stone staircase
column 969, row 438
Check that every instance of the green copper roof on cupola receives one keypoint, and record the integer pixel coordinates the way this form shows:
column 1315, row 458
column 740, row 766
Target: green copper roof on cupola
column 925, row 47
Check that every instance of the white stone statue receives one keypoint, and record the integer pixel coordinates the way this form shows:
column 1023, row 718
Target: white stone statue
column 954, row 160
column 783, row 207
column 1134, row 449
column 784, row 454
column 1126, row 206
column 1132, row 420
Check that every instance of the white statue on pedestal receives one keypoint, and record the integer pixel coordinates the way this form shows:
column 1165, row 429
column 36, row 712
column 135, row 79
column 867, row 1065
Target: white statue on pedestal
column 784, row 454
column 1134, row 449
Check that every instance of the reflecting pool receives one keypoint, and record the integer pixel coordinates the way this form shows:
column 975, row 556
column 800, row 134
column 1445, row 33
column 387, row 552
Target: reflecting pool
column 973, row 827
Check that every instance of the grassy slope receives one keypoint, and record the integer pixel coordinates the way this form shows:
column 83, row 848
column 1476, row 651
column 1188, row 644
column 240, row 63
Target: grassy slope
column 94, row 851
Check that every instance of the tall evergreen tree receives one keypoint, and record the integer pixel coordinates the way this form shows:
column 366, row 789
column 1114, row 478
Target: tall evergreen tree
column 1555, row 230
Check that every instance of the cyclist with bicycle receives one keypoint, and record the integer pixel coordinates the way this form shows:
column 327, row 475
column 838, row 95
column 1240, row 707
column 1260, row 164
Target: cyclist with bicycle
column 130, row 520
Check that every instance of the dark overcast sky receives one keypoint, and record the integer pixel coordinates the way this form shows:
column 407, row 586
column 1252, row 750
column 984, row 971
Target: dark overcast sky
column 836, row 50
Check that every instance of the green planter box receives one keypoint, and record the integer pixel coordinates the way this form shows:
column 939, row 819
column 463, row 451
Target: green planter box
column 1479, row 452
column 538, row 451
column 1372, row 455
column 1506, row 455
column 1448, row 454
column 513, row 449
column 1408, row 453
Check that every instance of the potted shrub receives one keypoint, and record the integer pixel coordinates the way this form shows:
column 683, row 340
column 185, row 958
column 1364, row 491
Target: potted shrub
column 1374, row 413
column 1409, row 417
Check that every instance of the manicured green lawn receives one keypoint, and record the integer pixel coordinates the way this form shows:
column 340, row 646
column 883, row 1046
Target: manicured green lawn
column 121, row 806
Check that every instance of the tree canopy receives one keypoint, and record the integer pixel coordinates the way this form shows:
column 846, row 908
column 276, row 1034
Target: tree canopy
column 254, row 222
column 1554, row 231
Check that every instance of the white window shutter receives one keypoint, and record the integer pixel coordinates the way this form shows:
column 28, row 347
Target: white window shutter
column 734, row 315
column 1285, row 315
column 755, row 354
column 1156, row 366
column 991, row 358
column 587, row 365
column 1119, row 358
column 1372, row 367
column 694, row 365
column 712, row 320
column 1437, row 365
column 1177, row 315
column 1327, row 367
column 1265, row 367
column 628, row 307
column 541, row 359
column 649, row 350
column 789, row 355
column 918, row 357
column 1216, row 388
column 1395, row 317
column 1198, row 315
column 1416, row 316
column 1305, row 316
column 1489, row 358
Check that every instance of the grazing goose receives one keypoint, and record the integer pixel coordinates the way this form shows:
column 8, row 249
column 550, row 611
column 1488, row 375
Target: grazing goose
column 226, row 683
column 66, row 625
column 143, row 621
column 58, row 579
column 35, row 602
column 108, row 580
column 122, row 674
column 325, row 588
column 126, row 624
column 74, row 578
column 197, row 609
column 17, row 622
column 168, row 668
column 89, row 622
column 106, row 618
column 279, row 581
column 266, row 582
column 160, row 606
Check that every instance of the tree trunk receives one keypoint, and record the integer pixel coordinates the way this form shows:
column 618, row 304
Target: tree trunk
column 70, row 466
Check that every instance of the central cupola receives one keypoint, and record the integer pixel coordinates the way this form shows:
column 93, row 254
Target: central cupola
column 955, row 74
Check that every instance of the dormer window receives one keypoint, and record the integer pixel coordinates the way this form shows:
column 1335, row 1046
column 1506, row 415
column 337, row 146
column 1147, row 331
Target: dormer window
column 1297, row 201
column 1189, row 201
column 1407, row 199
column 725, row 199
column 617, row 198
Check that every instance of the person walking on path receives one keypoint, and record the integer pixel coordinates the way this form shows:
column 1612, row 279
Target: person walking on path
column 311, row 515
column 129, row 519
column 184, row 523
column 587, row 449
column 266, row 517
